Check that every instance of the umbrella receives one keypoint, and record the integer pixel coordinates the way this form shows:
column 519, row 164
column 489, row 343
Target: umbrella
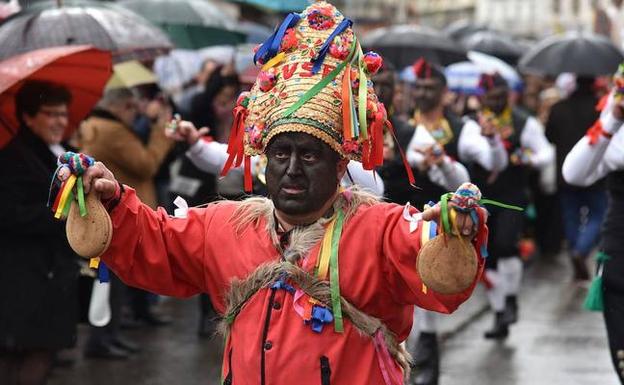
column 130, row 74
column 460, row 28
column 81, row 69
column 191, row 24
column 181, row 66
column 582, row 54
column 494, row 44
column 464, row 77
column 404, row 44
column 256, row 33
column 108, row 27
column 276, row 5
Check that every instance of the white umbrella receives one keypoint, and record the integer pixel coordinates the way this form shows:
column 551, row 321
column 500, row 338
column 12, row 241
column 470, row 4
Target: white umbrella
column 464, row 77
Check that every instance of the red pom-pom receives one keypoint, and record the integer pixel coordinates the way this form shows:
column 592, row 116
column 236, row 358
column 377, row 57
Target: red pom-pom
column 373, row 62
column 350, row 147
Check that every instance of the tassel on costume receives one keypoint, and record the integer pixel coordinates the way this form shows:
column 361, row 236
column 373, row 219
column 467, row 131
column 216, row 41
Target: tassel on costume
column 595, row 296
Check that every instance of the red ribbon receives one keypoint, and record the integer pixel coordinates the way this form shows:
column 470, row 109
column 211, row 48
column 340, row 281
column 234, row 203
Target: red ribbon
column 422, row 69
column 408, row 169
column 602, row 103
column 248, row 182
column 236, row 146
column 595, row 132
column 376, row 129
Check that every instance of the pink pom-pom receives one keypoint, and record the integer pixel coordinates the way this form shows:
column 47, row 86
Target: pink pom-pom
column 267, row 80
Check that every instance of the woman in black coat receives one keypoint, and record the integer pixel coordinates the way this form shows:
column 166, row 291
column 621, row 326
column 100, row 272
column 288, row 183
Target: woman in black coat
column 38, row 270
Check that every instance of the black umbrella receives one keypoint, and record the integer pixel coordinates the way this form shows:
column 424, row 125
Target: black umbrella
column 105, row 26
column 461, row 28
column 581, row 54
column 404, row 44
column 494, row 44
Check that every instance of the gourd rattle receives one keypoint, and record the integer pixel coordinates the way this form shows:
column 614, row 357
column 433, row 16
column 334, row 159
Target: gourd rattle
column 89, row 228
column 447, row 264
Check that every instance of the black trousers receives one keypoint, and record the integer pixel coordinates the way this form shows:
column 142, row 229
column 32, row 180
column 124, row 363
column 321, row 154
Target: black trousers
column 613, row 281
column 506, row 227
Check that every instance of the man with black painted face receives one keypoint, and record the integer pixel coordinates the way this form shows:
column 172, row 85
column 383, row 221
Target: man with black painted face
column 317, row 281
column 526, row 148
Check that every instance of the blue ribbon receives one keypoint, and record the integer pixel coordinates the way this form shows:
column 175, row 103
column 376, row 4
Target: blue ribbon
column 281, row 284
column 103, row 274
column 318, row 60
column 320, row 316
column 271, row 45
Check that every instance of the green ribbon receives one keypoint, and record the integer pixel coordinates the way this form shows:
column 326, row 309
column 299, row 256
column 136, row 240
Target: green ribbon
column 81, row 198
column 595, row 296
column 362, row 97
column 321, row 84
column 70, row 200
column 446, row 223
column 334, row 282
column 499, row 204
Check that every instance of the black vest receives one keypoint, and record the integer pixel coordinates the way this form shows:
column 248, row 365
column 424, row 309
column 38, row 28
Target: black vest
column 509, row 185
column 396, row 184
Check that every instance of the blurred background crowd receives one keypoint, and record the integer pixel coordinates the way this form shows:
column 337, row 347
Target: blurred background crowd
column 191, row 58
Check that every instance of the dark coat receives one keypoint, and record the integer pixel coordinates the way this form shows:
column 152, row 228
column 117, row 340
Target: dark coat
column 38, row 270
column 567, row 123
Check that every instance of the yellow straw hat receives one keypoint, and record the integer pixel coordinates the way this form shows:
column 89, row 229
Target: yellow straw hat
column 314, row 79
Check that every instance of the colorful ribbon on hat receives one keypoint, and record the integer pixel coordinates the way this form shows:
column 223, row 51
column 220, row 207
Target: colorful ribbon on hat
column 320, row 57
column 271, row 45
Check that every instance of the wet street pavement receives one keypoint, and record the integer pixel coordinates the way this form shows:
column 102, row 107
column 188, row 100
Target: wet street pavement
column 554, row 343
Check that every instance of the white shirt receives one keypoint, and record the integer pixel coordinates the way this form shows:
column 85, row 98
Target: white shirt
column 211, row 157
column 490, row 153
column 448, row 175
column 588, row 163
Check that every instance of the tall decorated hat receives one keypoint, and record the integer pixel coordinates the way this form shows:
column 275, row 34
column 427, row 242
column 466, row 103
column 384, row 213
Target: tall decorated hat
column 314, row 79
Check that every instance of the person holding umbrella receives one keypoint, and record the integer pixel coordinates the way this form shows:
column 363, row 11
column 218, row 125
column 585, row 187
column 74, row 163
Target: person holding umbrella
column 44, row 94
column 599, row 154
column 526, row 148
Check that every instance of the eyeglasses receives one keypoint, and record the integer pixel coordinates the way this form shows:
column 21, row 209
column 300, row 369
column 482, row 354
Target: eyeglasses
column 54, row 114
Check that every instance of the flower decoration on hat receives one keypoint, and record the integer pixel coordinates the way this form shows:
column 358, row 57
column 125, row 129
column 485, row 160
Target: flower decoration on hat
column 290, row 41
column 267, row 79
column 314, row 79
column 321, row 17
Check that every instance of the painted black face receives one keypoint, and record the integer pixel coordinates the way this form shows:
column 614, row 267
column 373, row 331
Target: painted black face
column 496, row 99
column 301, row 173
column 428, row 94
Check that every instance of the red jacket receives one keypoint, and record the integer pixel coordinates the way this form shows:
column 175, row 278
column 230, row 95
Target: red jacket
column 269, row 343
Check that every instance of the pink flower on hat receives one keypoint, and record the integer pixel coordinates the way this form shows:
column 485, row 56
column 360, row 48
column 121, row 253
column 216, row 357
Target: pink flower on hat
column 373, row 62
column 321, row 18
column 256, row 134
column 243, row 99
column 290, row 40
column 267, row 80
column 339, row 47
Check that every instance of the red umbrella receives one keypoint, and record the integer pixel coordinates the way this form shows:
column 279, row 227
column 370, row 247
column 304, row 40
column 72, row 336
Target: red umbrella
column 83, row 70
